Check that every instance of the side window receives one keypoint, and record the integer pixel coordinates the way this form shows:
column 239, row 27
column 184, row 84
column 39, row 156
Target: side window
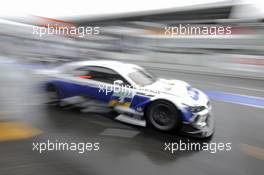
column 97, row 73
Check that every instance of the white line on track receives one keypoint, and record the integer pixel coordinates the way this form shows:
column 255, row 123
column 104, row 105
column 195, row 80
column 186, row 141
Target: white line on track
column 245, row 104
column 225, row 85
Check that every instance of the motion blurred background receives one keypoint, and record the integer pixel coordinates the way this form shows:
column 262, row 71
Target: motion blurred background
column 139, row 36
column 225, row 63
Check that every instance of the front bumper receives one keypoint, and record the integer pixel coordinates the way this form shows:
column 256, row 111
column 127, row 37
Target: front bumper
column 205, row 130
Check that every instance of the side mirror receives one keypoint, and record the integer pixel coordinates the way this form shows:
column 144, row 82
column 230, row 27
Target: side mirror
column 118, row 83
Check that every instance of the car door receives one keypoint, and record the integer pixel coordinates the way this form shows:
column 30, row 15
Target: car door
column 94, row 82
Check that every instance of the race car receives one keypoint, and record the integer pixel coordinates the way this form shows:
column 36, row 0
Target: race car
column 136, row 95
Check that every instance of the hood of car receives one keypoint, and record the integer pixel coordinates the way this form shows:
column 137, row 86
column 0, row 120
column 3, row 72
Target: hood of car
column 176, row 87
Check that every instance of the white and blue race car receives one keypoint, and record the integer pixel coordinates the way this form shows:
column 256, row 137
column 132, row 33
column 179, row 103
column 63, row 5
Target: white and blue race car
column 136, row 95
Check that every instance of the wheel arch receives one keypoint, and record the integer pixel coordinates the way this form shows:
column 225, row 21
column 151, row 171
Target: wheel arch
column 49, row 85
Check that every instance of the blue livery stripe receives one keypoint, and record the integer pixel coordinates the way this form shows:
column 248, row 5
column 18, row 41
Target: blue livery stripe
column 139, row 101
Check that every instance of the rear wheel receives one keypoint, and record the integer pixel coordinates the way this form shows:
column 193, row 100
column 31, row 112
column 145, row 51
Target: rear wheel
column 53, row 97
column 163, row 116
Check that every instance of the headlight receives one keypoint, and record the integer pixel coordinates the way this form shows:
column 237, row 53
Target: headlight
column 195, row 109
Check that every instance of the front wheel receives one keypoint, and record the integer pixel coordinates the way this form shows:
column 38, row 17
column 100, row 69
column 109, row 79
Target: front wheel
column 163, row 116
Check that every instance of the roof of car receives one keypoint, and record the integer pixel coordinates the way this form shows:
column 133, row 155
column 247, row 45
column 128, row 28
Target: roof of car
column 115, row 65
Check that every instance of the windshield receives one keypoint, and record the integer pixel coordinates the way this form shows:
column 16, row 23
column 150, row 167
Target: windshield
column 142, row 77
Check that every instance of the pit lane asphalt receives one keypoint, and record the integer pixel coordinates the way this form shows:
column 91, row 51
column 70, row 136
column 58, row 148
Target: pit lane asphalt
column 125, row 149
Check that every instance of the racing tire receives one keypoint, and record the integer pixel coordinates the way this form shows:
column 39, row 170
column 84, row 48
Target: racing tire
column 164, row 116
